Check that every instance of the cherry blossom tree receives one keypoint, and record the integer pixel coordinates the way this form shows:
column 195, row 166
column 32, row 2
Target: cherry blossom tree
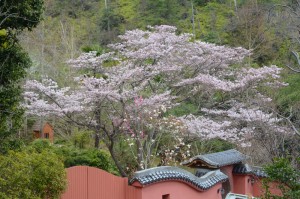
column 128, row 91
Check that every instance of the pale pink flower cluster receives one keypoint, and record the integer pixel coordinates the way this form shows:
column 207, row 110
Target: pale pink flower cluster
column 245, row 78
column 148, row 71
column 206, row 128
column 90, row 60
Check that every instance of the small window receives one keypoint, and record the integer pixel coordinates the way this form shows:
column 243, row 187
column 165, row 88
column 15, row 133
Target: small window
column 46, row 135
column 166, row 196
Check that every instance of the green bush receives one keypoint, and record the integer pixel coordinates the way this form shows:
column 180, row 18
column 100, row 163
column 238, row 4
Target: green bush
column 31, row 175
column 286, row 175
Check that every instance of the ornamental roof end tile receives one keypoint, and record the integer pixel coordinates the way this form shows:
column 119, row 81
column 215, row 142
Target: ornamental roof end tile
column 168, row 173
column 216, row 160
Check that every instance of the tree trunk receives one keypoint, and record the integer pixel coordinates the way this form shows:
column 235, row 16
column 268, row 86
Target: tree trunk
column 121, row 170
column 97, row 140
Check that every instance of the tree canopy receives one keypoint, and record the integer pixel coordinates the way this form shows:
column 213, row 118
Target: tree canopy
column 20, row 14
column 31, row 174
column 15, row 16
column 129, row 90
column 286, row 175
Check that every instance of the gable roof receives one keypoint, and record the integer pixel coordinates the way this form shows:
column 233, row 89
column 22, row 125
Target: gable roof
column 38, row 125
column 216, row 160
column 168, row 173
column 246, row 169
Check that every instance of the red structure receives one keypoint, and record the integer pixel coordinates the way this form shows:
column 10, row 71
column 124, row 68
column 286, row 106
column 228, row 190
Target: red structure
column 93, row 183
column 158, row 183
column 242, row 178
column 43, row 130
column 216, row 175
column 248, row 180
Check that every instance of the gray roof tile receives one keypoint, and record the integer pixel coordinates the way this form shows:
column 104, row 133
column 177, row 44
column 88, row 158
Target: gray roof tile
column 217, row 160
column 201, row 172
column 166, row 173
column 246, row 169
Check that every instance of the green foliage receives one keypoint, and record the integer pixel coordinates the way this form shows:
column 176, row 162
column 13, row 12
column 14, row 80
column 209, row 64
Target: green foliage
column 158, row 12
column 288, row 98
column 89, row 157
column 210, row 146
column 290, row 95
column 15, row 16
column 72, row 156
column 205, row 2
column 286, row 175
column 89, row 48
column 183, row 109
column 10, row 113
column 82, row 139
column 201, row 2
column 128, row 9
column 9, row 56
column 211, row 20
column 10, row 143
column 20, row 14
column 110, row 20
column 126, row 155
column 71, row 24
column 70, row 8
column 31, row 175
column 40, row 145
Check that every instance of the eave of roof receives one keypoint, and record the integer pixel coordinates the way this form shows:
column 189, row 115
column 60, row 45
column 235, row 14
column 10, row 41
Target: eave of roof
column 202, row 171
column 167, row 173
column 216, row 160
column 249, row 170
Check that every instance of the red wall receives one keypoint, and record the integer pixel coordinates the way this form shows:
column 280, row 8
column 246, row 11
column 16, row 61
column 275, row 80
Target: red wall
column 228, row 186
column 93, row 183
column 242, row 184
column 179, row 190
column 48, row 129
column 77, row 183
column 258, row 188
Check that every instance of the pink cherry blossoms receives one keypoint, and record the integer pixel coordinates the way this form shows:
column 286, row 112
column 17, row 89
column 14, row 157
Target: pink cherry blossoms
column 148, row 73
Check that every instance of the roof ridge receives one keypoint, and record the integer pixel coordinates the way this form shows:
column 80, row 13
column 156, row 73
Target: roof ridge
column 166, row 173
column 216, row 160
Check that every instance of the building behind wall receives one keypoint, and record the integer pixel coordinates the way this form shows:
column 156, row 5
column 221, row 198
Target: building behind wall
column 43, row 130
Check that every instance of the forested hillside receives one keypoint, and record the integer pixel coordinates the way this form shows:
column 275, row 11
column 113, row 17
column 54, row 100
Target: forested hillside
column 185, row 77
column 267, row 28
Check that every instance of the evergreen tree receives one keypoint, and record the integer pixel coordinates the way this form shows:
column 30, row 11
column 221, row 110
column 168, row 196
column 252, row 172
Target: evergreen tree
column 15, row 16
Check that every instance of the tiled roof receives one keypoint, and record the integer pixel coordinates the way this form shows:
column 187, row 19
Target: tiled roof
column 38, row 125
column 167, row 173
column 216, row 160
column 246, row 169
column 201, row 172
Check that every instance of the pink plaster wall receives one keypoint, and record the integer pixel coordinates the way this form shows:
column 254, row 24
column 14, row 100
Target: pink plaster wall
column 242, row 184
column 227, row 170
column 258, row 188
column 179, row 190
column 93, row 183
column 132, row 192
